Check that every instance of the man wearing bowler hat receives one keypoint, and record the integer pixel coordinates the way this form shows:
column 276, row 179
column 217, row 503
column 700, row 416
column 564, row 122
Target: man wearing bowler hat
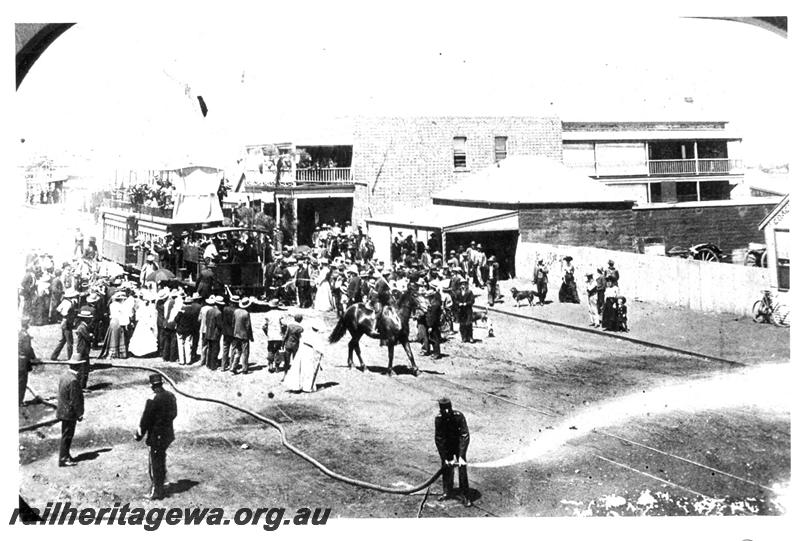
column 156, row 424
column 69, row 410
column 452, row 441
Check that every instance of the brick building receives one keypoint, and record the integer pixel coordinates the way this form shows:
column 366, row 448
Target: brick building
column 400, row 162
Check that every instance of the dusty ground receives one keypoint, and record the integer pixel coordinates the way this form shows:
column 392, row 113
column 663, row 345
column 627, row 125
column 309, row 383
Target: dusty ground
column 581, row 424
column 532, row 383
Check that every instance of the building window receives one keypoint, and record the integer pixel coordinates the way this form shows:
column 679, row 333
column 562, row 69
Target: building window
column 655, row 192
column 686, row 191
column 500, row 150
column 460, row 152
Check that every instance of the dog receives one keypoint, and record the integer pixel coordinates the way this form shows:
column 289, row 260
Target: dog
column 522, row 295
column 480, row 317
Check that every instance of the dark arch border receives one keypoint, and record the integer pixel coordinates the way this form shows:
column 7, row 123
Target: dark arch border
column 32, row 40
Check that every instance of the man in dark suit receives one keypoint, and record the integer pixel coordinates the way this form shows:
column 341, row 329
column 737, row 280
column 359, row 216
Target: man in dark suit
column 452, row 441
column 303, row 280
column 26, row 356
column 187, row 326
column 353, row 286
column 227, row 331
column 83, row 346
column 69, row 410
column 292, row 333
column 492, row 270
column 242, row 336
column 205, row 280
column 156, row 423
column 212, row 326
column 433, row 322
column 462, row 302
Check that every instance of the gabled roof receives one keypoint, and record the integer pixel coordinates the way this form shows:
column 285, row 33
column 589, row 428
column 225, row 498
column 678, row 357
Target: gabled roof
column 771, row 216
column 529, row 181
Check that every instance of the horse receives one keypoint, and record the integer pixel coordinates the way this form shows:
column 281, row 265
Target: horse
column 360, row 320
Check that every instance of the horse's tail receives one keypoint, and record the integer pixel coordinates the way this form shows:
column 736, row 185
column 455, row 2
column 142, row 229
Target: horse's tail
column 338, row 331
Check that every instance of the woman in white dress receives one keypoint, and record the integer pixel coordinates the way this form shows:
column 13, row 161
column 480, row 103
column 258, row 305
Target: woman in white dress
column 145, row 336
column 302, row 374
column 322, row 301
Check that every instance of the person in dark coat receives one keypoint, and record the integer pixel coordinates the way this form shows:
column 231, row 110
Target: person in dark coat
column 227, row 331
column 463, row 301
column 83, row 344
column 303, row 280
column 69, row 410
column 492, row 272
column 26, row 356
column 169, row 349
column 433, row 323
column 452, row 441
column 205, row 280
column 540, row 280
column 156, row 423
column 292, row 333
column 187, row 325
column 353, row 287
column 601, row 291
column 56, row 295
column 213, row 332
column 242, row 336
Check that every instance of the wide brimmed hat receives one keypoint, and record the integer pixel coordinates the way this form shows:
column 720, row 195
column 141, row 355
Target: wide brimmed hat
column 119, row 296
column 491, row 259
column 245, row 303
column 156, row 380
column 234, row 298
column 85, row 314
column 567, row 258
column 353, row 269
column 150, row 257
column 274, row 304
column 610, row 262
column 163, row 294
column 211, row 300
column 196, row 296
column 376, row 275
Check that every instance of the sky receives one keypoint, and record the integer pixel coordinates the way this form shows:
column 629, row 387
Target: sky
column 114, row 87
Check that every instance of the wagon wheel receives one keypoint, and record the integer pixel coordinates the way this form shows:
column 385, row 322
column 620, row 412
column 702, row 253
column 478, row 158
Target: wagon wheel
column 706, row 254
column 751, row 260
column 763, row 262
column 780, row 315
column 759, row 312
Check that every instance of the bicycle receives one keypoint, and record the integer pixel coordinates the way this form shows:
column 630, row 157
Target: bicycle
column 767, row 310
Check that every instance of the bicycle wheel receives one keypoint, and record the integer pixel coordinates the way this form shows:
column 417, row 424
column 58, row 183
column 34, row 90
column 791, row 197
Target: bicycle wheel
column 760, row 311
column 780, row 315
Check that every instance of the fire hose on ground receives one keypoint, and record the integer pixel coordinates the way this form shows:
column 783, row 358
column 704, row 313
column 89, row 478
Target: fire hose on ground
column 275, row 424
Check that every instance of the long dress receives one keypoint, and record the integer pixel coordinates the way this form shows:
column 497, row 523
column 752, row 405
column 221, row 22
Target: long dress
column 302, row 374
column 145, row 336
column 322, row 301
column 610, row 321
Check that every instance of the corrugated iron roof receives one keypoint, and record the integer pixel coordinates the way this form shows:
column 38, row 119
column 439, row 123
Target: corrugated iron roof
column 437, row 216
column 528, row 180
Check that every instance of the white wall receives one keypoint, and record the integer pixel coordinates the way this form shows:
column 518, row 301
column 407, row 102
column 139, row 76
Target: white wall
column 698, row 285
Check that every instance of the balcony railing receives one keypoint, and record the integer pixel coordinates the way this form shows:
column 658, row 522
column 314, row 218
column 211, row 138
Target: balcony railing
column 324, row 175
column 701, row 166
column 139, row 209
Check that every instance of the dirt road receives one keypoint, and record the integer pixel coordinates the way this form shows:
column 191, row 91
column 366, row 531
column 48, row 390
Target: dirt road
column 562, row 424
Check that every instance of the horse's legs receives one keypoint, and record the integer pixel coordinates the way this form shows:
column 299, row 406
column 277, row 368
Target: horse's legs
column 407, row 347
column 350, row 347
column 357, row 348
column 390, row 351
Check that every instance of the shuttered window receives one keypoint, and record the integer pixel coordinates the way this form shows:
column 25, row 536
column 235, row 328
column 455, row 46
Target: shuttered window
column 460, row 152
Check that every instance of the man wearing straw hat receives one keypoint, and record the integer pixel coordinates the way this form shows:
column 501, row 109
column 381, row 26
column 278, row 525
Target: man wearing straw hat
column 69, row 410
column 156, row 423
column 242, row 336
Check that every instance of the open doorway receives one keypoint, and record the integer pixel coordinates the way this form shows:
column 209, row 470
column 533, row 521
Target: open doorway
column 312, row 213
column 500, row 244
